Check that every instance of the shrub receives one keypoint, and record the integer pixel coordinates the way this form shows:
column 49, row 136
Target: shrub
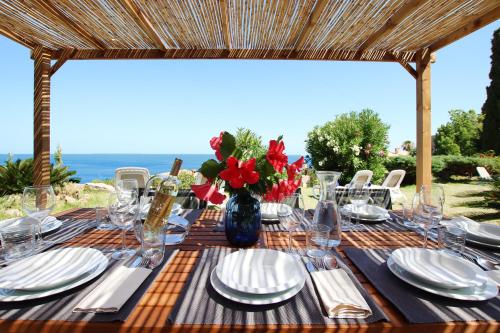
column 444, row 166
column 351, row 142
column 186, row 178
column 16, row 175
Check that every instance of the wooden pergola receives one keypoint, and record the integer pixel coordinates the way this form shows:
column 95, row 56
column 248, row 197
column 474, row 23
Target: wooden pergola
column 405, row 32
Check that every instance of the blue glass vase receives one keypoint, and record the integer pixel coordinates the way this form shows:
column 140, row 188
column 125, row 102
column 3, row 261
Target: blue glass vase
column 242, row 220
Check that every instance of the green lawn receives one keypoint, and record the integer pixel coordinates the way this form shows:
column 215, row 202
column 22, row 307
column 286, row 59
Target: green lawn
column 465, row 198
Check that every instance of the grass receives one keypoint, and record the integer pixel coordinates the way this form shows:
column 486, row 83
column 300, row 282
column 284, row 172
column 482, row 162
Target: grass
column 465, row 198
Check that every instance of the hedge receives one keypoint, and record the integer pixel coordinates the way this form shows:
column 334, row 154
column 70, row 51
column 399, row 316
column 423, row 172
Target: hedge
column 444, row 166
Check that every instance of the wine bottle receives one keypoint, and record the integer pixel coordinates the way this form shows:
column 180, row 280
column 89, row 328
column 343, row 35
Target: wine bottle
column 162, row 203
column 176, row 167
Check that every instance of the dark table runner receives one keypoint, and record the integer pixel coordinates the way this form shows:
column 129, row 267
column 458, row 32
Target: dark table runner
column 60, row 306
column 416, row 305
column 199, row 303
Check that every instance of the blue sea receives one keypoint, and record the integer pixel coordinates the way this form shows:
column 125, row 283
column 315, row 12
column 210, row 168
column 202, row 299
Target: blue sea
column 89, row 167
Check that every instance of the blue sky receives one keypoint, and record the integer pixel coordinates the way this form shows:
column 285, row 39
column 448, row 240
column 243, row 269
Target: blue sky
column 167, row 106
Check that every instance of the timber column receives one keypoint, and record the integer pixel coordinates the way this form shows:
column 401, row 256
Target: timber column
column 424, row 137
column 41, row 126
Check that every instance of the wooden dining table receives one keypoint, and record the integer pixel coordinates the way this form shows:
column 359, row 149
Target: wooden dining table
column 152, row 311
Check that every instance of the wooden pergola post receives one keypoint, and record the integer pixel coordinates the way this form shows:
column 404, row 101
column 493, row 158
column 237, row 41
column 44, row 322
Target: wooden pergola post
column 41, row 126
column 424, row 137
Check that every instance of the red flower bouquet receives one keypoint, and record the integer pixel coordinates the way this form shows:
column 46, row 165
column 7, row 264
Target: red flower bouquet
column 268, row 175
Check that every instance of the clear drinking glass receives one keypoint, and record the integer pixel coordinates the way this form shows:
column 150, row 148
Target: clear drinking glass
column 291, row 216
column 359, row 196
column 451, row 238
column 317, row 237
column 431, row 207
column 122, row 214
column 38, row 201
column 17, row 242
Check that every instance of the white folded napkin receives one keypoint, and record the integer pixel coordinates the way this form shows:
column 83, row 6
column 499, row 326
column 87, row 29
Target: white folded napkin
column 339, row 295
column 495, row 276
column 114, row 291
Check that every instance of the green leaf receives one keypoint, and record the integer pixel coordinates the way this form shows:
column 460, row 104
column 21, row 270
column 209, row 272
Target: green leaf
column 211, row 168
column 228, row 144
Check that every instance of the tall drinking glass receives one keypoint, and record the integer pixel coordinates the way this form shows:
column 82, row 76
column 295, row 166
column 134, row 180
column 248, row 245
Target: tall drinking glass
column 359, row 196
column 291, row 216
column 432, row 205
column 122, row 213
column 38, row 201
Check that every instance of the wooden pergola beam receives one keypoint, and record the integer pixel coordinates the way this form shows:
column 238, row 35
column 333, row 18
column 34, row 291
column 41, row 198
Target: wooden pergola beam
column 326, row 55
column 89, row 38
column 142, row 20
column 475, row 23
column 65, row 55
column 311, row 23
column 225, row 24
column 424, row 135
column 406, row 66
column 407, row 9
column 41, row 126
column 16, row 38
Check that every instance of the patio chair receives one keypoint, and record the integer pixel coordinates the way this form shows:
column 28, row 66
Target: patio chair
column 140, row 174
column 483, row 173
column 361, row 177
column 393, row 182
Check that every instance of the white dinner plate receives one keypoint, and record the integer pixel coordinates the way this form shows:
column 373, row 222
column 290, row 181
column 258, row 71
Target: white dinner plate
column 481, row 244
column 8, row 295
column 367, row 212
column 20, row 225
column 253, row 299
column 481, row 232
column 484, row 292
column 438, row 268
column 269, row 211
column 51, row 269
column 260, row 271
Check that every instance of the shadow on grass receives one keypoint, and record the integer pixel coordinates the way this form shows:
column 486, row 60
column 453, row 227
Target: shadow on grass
column 484, row 216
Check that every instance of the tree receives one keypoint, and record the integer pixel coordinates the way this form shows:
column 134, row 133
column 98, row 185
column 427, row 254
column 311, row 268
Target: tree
column 408, row 145
column 460, row 136
column 490, row 137
column 58, row 156
column 352, row 141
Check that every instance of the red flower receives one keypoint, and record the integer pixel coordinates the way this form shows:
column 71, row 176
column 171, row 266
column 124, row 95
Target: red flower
column 238, row 172
column 295, row 167
column 281, row 190
column 275, row 155
column 208, row 192
column 215, row 143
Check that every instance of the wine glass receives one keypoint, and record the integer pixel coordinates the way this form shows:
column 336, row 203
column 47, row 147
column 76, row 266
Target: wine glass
column 359, row 196
column 127, row 189
column 37, row 202
column 290, row 213
column 122, row 213
column 431, row 207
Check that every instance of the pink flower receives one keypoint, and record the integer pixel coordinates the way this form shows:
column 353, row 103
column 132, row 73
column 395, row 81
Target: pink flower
column 275, row 155
column 238, row 172
column 208, row 192
column 215, row 143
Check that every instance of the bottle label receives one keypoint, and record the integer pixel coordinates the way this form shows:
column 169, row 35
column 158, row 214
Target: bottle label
column 160, row 208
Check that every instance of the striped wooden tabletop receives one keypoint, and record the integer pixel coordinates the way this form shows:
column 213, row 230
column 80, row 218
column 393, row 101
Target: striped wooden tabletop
column 153, row 309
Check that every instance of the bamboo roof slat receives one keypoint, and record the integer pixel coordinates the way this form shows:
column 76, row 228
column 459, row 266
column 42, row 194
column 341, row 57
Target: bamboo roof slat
column 363, row 30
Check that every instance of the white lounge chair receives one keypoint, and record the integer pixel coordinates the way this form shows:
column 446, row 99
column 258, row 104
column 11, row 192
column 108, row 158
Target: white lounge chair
column 483, row 173
column 393, row 182
column 140, row 174
column 361, row 177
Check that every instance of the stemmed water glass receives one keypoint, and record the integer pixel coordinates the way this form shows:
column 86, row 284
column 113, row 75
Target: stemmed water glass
column 359, row 196
column 123, row 212
column 291, row 215
column 431, row 205
column 38, row 201
column 127, row 188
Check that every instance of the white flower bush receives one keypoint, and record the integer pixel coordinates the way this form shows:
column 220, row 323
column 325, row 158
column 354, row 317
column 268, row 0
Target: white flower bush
column 351, row 142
